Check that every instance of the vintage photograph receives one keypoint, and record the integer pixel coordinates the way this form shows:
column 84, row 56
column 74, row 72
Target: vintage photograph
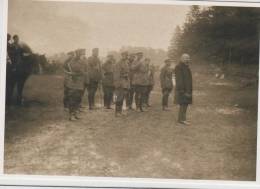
column 131, row 90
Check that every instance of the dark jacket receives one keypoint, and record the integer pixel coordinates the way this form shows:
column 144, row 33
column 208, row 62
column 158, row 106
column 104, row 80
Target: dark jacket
column 183, row 90
column 166, row 78
column 108, row 74
column 121, row 75
column 94, row 69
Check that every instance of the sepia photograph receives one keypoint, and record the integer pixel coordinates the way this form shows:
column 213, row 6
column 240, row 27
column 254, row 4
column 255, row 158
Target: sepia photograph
column 159, row 91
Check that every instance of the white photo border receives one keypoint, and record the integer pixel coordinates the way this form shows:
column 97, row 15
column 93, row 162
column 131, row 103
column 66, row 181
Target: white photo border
column 113, row 182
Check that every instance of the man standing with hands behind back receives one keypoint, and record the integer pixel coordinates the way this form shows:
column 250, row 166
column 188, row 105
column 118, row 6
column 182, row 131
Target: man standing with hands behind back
column 183, row 90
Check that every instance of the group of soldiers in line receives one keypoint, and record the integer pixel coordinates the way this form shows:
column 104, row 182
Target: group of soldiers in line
column 131, row 78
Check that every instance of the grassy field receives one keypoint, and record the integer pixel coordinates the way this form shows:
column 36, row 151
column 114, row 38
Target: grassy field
column 220, row 143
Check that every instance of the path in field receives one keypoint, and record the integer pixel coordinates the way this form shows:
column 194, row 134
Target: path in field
column 220, row 143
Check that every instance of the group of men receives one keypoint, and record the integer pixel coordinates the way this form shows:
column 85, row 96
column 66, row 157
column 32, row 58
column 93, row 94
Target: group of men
column 129, row 79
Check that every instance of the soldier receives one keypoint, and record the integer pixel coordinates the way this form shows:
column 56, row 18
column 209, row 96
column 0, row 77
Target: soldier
column 183, row 91
column 151, row 70
column 94, row 73
column 66, row 69
column 166, row 83
column 131, row 91
column 140, row 81
column 75, row 83
column 108, row 81
column 121, row 82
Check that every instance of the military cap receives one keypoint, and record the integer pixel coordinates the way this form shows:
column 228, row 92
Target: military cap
column 167, row 60
column 81, row 51
column 124, row 53
column 139, row 53
column 71, row 53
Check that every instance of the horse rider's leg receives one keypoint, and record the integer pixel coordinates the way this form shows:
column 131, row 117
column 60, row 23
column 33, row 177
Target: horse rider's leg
column 20, row 86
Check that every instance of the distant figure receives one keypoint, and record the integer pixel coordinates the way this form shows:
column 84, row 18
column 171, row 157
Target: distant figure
column 131, row 92
column 166, row 83
column 121, row 82
column 108, row 81
column 140, row 81
column 94, row 72
column 67, row 70
column 75, row 84
column 183, row 91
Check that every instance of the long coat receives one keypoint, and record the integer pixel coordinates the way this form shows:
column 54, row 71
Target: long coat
column 74, row 74
column 151, row 73
column 166, row 78
column 107, row 74
column 94, row 69
column 140, row 76
column 183, row 90
column 121, row 75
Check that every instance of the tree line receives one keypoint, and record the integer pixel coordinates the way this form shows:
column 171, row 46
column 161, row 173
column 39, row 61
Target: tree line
column 224, row 35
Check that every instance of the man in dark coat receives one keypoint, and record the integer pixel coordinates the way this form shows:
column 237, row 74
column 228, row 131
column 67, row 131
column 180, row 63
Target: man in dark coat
column 166, row 83
column 108, row 81
column 183, row 91
column 94, row 74
column 121, row 82
column 140, row 81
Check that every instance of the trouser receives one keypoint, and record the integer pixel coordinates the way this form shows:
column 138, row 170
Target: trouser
column 121, row 94
column 140, row 92
column 74, row 99
column 182, row 112
column 65, row 97
column 130, row 96
column 149, row 89
column 92, row 89
column 166, row 92
column 108, row 95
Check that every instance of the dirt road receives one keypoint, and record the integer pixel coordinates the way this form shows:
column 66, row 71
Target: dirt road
column 220, row 143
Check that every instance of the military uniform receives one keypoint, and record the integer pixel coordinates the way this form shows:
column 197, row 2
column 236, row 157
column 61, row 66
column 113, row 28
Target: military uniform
column 166, row 84
column 94, row 77
column 75, row 85
column 140, row 82
column 66, row 69
column 108, row 82
column 183, row 90
column 130, row 96
column 150, row 84
column 121, row 83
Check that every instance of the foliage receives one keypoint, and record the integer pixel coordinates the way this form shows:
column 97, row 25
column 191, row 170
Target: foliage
column 219, row 35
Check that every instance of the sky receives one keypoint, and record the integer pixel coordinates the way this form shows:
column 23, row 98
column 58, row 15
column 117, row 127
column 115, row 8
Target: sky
column 54, row 27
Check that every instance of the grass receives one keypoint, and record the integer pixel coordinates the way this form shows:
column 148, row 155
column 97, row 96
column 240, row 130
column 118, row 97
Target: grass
column 220, row 143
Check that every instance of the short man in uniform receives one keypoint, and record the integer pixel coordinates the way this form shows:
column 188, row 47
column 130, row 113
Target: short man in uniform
column 121, row 82
column 131, row 91
column 94, row 73
column 140, row 81
column 166, row 76
column 75, row 84
column 183, row 90
column 66, row 68
column 108, row 81
column 151, row 71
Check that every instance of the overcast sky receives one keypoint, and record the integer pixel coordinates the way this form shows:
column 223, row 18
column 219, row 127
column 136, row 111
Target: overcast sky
column 53, row 27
